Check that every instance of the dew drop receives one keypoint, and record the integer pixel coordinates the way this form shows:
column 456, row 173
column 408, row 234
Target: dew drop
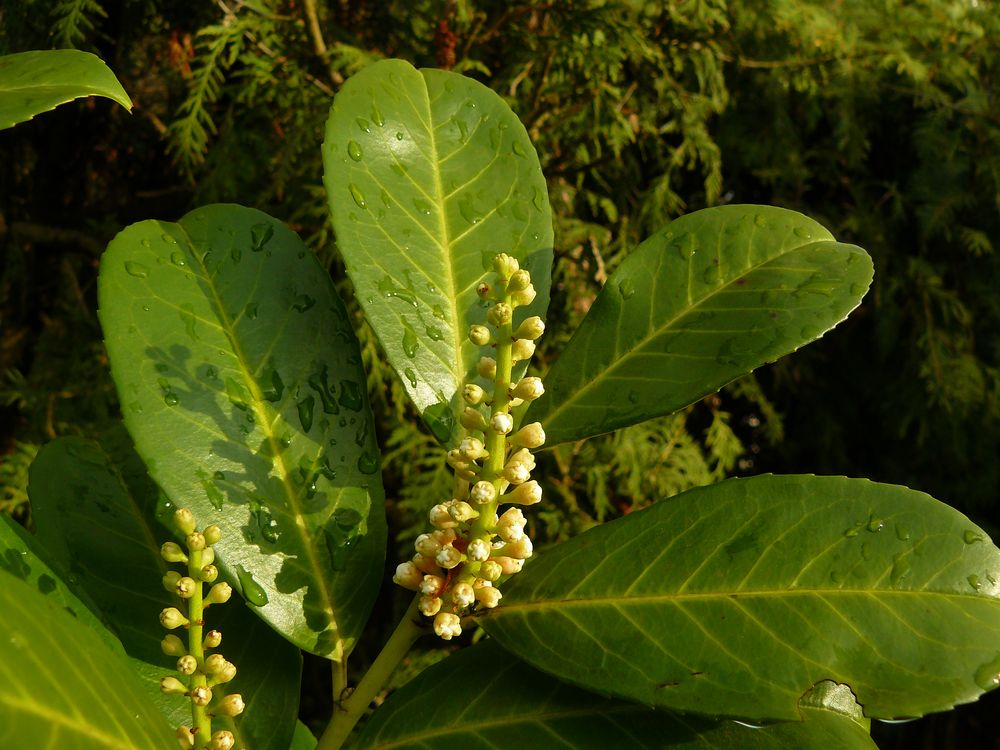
column 357, row 195
column 350, row 395
column 260, row 235
column 468, row 210
column 251, row 310
column 399, row 135
column 902, row 533
column 410, row 341
column 272, row 388
column 363, row 124
column 305, row 408
column 134, row 268
column 303, row 302
column 411, row 376
column 169, row 239
column 875, row 524
column 974, row 582
column 440, row 419
column 971, row 537
column 858, row 290
column 711, row 274
column 354, row 150
column 853, row 531
column 340, row 532
column 802, row 233
column 900, row 568
column 253, row 592
column 170, row 398
column 236, row 254
column 422, row 206
column 367, row 463
column 626, row 287
column 377, row 116
column 539, row 200
column 178, row 259
column 519, row 149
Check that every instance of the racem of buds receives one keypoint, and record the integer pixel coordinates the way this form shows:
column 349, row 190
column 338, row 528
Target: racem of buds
column 529, row 389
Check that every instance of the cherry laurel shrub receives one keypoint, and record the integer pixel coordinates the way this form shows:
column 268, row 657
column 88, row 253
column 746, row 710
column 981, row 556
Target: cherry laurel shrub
column 772, row 611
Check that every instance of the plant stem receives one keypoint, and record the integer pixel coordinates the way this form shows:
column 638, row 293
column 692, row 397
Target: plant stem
column 196, row 614
column 347, row 712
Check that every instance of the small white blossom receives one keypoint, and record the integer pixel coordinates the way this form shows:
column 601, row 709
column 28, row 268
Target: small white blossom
column 201, row 695
column 528, row 493
column 429, row 605
column 447, row 625
column 187, row 664
column 489, row 597
column 222, row 740
column 444, row 536
column 461, row 511
column 448, row 558
column 478, row 550
column 472, row 449
column 432, row 585
column 408, row 576
column 528, row 388
column 510, row 527
column 500, row 314
column 522, row 349
column 530, row 436
column 440, row 517
column 483, row 493
column 427, row 545
column 509, row 565
column 462, row 595
column 426, row 564
column 520, row 549
column 502, row 423
column 490, row 570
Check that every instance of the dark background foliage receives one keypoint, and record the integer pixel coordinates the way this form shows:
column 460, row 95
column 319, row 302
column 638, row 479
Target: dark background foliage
column 879, row 119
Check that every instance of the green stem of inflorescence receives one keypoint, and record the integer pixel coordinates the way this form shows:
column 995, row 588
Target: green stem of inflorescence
column 196, row 614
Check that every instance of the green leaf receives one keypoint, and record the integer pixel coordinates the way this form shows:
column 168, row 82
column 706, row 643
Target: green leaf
column 302, row 739
column 513, row 705
column 36, row 82
column 61, row 686
column 740, row 597
column 707, row 299
column 94, row 506
column 429, row 175
column 241, row 383
column 22, row 557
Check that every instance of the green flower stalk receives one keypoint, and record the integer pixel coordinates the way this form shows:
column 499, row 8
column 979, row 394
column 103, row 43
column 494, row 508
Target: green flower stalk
column 471, row 547
column 200, row 673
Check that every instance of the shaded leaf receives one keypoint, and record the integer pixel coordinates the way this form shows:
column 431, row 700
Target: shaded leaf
column 740, row 597
column 36, row 82
column 429, row 175
column 62, row 686
column 241, row 383
column 514, row 706
column 707, row 299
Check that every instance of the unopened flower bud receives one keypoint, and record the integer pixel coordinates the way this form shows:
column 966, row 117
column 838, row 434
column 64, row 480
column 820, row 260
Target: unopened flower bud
column 487, row 367
column 172, row 553
column 488, row 596
column 472, row 419
column 171, row 645
column 213, row 639
column 201, row 695
column 447, row 625
column 519, row 280
column 208, row 556
column 186, row 587
column 429, row 605
column 226, row 674
column 184, row 737
column 231, row 705
column 427, row 545
column 461, row 511
column 500, row 314
column 448, row 558
column 209, row 573
column 505, row 266
column 426, row 564
column 510, row 527
column 215, row 663
column 524, row 297
column 195, row 541
column 530, row 436
column 222, row 740
column 462, row 595
column 170, row 580
column 172, row 686
column 520, row 549
column 473, row 394
column 490, row 570
column 187, row 664
column 502, row 423
column 528, row 493
column 529, row 389
column 509, row 565
column 184, row 520
column 472, row 449
column 219, row 594
column 171, row 618
column 212, row 534
column 440, row 518
column 408, row 576
column 480, row 335
column 484, row 290
column 522, row 349
column 432, row 586
column 478, row 550
column 483, row 492
column 531, row 328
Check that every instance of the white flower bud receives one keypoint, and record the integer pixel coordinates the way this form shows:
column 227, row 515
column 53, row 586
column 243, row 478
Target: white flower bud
column 531, row 328
column 530, row 436
column 432, row 585
column 171, row 645
column 487, row 367
column 500, row 314
column 520, row 549
column 478, row 550
column 226, row 674
column 186, row 587
column 213, row 639
column 509, row 565
column 170, row 580
column 472, row 449
column 172, row 686
column 447, row 625
column 185, row 737
column 505, row 266
column 219, row 594
column 473, row 394
column 522, row 349
column 427, row 545
column 462, row 595
column 429, row 605
column 408, row 576
column 231, row 705
column 502, row 423
column 480, row 336
column 517, row 474
column 483, row 492
column 195, row 541
column 184, row 520
column 215, row 664
column 529, row 389
column 201, row 695
column 440, row 517
column 426, row 564
column 489, row 597
column 510, row 527
column 472, row 419
column 448, row 558
column 209, row 573
column 222, row 740
column 212, row 534
column 172, row 553
column 171, row 618
column 519, row 280
column 187, row 664
column 528, row 493
column 524, row 297
column 444, row 536
column 461, row 511
column 490, row 570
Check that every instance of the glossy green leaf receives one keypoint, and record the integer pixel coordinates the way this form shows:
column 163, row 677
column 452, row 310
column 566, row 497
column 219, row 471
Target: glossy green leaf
column 429, row 175
column 36, row 82
column 23, row 558
column 740, row 597
column 511, row 705
column 241, row 382
column 94, row 508
column 707, row 299
column 302, row 739
column 61, row 686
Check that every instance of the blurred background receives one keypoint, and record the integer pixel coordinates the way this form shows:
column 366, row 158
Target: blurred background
column 879, row 119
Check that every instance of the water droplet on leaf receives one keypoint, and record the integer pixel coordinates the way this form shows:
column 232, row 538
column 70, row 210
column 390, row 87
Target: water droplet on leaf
column 253, row 592
column 134, row 268
column 354, row 150
column 260, row 235
column 410, row 341
column 357, row 195
column 305, row 408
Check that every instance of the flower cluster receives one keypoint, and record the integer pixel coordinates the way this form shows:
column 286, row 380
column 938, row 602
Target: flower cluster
column 202, row 673
column 473, row 546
